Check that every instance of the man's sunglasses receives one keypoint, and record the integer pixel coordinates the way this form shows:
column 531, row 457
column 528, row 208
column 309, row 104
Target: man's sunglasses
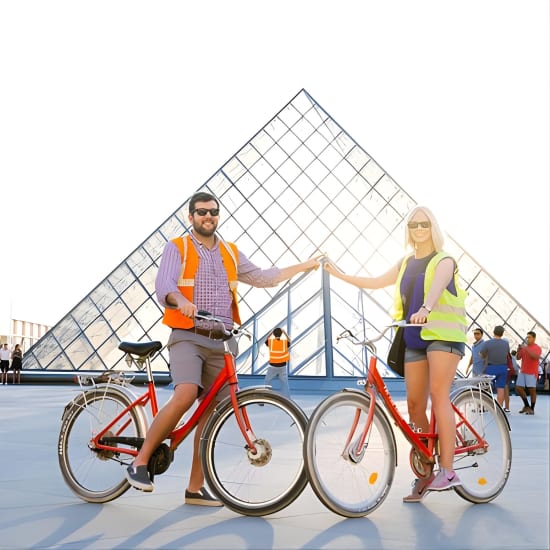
column 204, row 211
column 414, row 225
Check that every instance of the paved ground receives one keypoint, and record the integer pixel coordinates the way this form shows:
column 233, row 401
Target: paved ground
column 37, row 510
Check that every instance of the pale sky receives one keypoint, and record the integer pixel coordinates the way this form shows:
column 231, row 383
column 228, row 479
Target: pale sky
column 113, row 113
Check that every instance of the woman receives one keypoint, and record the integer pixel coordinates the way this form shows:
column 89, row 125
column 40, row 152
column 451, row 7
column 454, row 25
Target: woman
column 427, row 294
column 16, row 363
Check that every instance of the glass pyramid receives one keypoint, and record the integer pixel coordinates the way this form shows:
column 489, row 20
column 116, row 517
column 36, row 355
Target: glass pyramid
column 301, row 185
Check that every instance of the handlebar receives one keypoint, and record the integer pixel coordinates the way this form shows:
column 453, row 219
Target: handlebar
column 202, row 315
column 369, row 343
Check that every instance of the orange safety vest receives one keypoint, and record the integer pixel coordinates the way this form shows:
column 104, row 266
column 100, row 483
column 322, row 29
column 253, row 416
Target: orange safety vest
column 278, row 350
column 186, row 283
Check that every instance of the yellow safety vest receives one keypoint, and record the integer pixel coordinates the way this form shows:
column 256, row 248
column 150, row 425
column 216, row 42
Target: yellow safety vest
column 186, row 283
column 447, row 320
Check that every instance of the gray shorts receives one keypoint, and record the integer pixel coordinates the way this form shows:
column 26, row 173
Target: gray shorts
column 526, row 380
column 195, row 359
column 414, row 355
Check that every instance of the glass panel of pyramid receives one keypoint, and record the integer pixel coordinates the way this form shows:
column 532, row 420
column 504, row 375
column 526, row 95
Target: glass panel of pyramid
column 300, row 186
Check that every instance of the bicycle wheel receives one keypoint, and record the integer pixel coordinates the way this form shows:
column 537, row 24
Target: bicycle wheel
column 261, row 484
column 483, row 472
column 97, row 475
column 351, row 487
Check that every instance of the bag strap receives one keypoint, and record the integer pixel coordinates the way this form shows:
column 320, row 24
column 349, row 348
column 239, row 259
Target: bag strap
column 412, row 281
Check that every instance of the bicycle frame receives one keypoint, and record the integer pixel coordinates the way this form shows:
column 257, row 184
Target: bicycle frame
column 423, row 442
column 228, row 374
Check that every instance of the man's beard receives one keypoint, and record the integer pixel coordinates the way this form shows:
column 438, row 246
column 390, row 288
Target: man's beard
column 198, row 228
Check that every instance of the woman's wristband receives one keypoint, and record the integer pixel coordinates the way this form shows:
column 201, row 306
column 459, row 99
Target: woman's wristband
column 429, row 310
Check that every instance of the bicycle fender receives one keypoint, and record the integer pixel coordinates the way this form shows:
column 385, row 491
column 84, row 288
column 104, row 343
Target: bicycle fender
column 468, row 389
column 253, row 389
column 123, row 392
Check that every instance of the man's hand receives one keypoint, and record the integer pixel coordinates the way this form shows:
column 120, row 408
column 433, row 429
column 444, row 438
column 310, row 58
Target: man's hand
column 179, row 301
column 313, row 263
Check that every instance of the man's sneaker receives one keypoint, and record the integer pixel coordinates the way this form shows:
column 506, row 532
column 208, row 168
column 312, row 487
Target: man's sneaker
column 419, row 489
column 201, row 498
column 529, row 411
column 445, row 479
column 138, row 477
column 506, row 410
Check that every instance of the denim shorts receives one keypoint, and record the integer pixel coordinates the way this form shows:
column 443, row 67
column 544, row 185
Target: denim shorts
column 413, row 355
column 500, row 372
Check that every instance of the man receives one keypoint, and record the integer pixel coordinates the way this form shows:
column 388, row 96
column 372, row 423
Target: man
column 477, row 362
column 199, row 272
column 279, row 356
column 4, row 362
column 529, row 353
column 495, row 354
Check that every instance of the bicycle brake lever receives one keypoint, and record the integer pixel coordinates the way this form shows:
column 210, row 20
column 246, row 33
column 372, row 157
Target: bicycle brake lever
column 345, row 334
column 403, row 323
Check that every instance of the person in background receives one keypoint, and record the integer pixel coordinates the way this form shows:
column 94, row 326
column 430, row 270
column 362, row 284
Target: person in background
column 495, row 354
column 4, row 363
column 510, row 378
column 278, row 343
column 199, row 271
column 476, row 363
column 529, row 353
column 426, row 293
column 17, row 363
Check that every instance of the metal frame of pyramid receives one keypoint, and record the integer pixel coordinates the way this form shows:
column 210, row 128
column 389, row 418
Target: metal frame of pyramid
column 301, row 185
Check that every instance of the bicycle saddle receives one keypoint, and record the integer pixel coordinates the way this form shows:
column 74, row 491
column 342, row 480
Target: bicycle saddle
column 142, row 349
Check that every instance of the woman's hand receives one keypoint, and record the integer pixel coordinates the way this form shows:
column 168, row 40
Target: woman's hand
column 420, row 317
column 330, row 267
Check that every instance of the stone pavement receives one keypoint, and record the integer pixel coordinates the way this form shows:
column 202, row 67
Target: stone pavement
column 37, row 509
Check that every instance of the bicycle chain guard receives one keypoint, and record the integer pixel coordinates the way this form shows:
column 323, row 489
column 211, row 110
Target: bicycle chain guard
column 421, row 467
column 160, row 460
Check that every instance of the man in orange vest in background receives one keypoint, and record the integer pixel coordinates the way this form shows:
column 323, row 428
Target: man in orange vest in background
column 278, row 343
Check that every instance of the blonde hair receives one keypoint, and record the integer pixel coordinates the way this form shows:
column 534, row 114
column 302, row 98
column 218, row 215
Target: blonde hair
column 437, row 235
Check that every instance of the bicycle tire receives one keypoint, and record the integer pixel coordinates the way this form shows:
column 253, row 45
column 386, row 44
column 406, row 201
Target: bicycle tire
column 255, row 485
column 96, row 476
column 484, row 472
column 349, row 488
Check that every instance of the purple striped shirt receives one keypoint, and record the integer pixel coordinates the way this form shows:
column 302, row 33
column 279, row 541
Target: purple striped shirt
column 211, row 290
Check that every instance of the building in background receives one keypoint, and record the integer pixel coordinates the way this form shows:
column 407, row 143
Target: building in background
column 301, row 185
column 24, row 333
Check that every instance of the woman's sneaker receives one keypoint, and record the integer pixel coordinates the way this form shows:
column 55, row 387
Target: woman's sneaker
column 445, row 479
column 419, row 489
column 138, row 477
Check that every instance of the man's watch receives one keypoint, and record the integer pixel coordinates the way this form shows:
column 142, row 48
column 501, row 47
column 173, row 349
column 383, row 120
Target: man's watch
column 426, row 308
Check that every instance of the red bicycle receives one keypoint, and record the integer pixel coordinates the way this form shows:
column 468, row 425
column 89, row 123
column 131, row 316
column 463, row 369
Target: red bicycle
column 350, row 449
column 251, row 446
